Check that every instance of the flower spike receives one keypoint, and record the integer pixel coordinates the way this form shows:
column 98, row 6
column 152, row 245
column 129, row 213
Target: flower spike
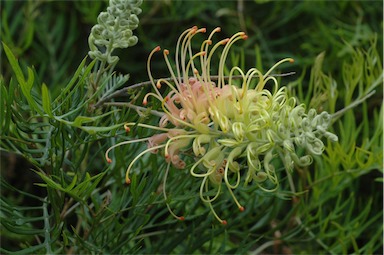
column 231, row 127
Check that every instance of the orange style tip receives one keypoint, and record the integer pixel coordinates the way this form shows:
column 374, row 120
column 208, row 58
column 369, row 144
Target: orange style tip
column 291, row 60
column 241, row 208
column 218, row 29
column 225, row 41
column 166, row 52
column 109, row 160
column 145, row 102
column 181, row 218
column 128, row 181
column 224, row 222
column 157, row 48
column 245, row 37
column 203, row 30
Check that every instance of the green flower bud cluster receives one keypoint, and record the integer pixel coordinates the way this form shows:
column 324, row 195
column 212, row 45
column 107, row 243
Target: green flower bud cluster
column 114, row 29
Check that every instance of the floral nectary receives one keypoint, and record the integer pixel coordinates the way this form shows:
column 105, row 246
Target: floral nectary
column 234, row 127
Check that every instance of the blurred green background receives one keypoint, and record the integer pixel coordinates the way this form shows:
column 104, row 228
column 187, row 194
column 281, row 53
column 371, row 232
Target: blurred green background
column 52, row 35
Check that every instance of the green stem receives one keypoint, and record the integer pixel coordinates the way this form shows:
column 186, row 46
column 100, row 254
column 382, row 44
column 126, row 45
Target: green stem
column 124, row 91
column 47, row 228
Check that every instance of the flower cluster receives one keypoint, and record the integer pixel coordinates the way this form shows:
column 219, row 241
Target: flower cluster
column 114, row 29
column 234, row 127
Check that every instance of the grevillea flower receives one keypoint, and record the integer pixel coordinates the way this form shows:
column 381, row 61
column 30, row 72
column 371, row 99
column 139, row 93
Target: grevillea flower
column 234, row 127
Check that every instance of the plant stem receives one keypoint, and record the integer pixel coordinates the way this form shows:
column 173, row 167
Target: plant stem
column 124, row 91
column 47, row 228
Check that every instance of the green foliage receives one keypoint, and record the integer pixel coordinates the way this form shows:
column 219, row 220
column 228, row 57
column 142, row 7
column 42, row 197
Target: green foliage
column 18, row 33
column 342, row 217
column 59, row 113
